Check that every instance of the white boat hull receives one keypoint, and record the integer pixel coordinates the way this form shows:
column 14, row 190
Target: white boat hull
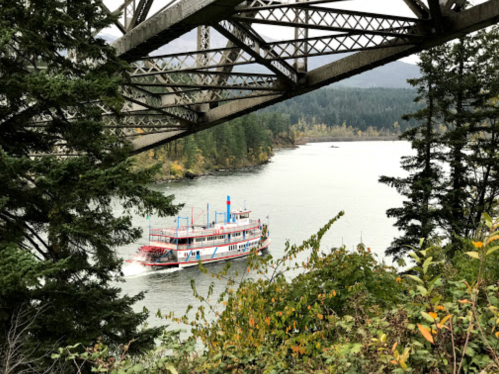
column 195, row 262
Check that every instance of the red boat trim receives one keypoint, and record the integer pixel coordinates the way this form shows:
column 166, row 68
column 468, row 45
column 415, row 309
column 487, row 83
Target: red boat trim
column 195, row 262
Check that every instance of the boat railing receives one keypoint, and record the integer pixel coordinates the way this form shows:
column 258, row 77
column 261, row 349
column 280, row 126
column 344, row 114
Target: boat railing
column 201, row 245
column 188, row 231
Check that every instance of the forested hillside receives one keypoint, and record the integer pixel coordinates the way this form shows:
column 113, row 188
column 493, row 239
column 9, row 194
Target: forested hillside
column 242, row 142
column 360, row 108
column 328, row 113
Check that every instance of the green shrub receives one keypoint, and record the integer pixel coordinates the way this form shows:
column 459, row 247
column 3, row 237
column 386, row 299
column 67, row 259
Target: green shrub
column 344, row 313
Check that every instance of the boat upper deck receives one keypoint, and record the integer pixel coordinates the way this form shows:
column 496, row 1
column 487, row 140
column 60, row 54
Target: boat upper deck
column 184, row 232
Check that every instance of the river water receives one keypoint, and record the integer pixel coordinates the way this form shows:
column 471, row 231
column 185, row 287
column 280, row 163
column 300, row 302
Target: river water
column 299, row 190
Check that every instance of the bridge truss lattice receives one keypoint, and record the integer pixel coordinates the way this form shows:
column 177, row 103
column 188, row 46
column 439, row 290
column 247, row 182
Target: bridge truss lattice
column 173, row 94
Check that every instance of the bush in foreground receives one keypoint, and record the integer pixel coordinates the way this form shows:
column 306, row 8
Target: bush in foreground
column 343, row 313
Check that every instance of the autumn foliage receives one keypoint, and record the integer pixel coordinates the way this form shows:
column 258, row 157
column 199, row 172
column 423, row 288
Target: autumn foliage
column 335, row 311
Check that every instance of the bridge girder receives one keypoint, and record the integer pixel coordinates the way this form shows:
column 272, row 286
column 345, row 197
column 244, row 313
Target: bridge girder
column 170, row 95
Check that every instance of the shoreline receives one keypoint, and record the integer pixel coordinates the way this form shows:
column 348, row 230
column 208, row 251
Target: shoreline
column 340, row 139
column 277, row 147
column 209, row 173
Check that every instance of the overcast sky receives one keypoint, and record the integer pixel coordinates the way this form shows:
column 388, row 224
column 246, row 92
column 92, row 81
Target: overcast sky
column 390, row 7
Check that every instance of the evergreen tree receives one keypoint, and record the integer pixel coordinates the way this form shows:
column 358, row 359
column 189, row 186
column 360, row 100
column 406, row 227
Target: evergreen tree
column 58, row 229
column 191, row 152
column 461, row 89
column 459, row 86
column 419, row 215
column 483, row 128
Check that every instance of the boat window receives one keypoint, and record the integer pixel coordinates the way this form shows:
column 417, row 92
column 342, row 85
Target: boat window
column 200, row 239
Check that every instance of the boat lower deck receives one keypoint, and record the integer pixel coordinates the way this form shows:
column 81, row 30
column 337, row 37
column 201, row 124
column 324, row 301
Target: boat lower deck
column 205, row 259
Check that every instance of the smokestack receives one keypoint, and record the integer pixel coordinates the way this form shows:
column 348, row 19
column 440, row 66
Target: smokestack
column 227, row 218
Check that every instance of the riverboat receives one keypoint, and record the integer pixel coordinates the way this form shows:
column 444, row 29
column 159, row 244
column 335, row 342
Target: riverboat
column 183, row 246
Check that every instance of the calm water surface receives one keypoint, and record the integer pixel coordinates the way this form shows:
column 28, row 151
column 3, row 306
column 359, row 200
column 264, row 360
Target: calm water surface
column 300, row 190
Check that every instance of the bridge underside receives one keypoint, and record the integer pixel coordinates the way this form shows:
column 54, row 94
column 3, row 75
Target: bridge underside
column 173, row 92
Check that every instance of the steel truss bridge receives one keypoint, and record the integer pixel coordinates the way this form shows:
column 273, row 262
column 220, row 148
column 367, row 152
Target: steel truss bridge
column 170, row 96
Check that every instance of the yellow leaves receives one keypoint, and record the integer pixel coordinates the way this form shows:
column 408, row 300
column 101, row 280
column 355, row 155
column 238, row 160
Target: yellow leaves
column 252, row 322
column 398, row 280
column 267, row 320
column 334, row 293
column 492, row 238
column 309, row 307
column 444, row 321
column 394, row 346
column 428, row 317
column 426, row 333
column 497, row 335
column 440, row 307
column 320, row 316
column 273, row 300
column 400, row 359
column 478, row 244
column 403, row 365
column 465, row 301
column 294, row 325
column 433, row 315
column 474, row 254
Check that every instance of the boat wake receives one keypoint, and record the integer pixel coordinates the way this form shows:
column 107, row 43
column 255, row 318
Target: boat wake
column 136, row 270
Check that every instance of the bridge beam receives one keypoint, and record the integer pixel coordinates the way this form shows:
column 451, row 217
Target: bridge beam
column 169, row 24
column 256, row 47
column 328, row 19
column 455, row 26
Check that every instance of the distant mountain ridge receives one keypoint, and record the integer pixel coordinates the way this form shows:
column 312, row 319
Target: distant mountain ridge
column 392, row 75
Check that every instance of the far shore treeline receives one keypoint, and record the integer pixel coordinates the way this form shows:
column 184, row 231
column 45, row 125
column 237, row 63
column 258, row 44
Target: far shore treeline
column 328, row 114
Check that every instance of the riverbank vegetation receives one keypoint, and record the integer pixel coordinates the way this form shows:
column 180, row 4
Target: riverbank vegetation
column 252, row 139
column 342, row 312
